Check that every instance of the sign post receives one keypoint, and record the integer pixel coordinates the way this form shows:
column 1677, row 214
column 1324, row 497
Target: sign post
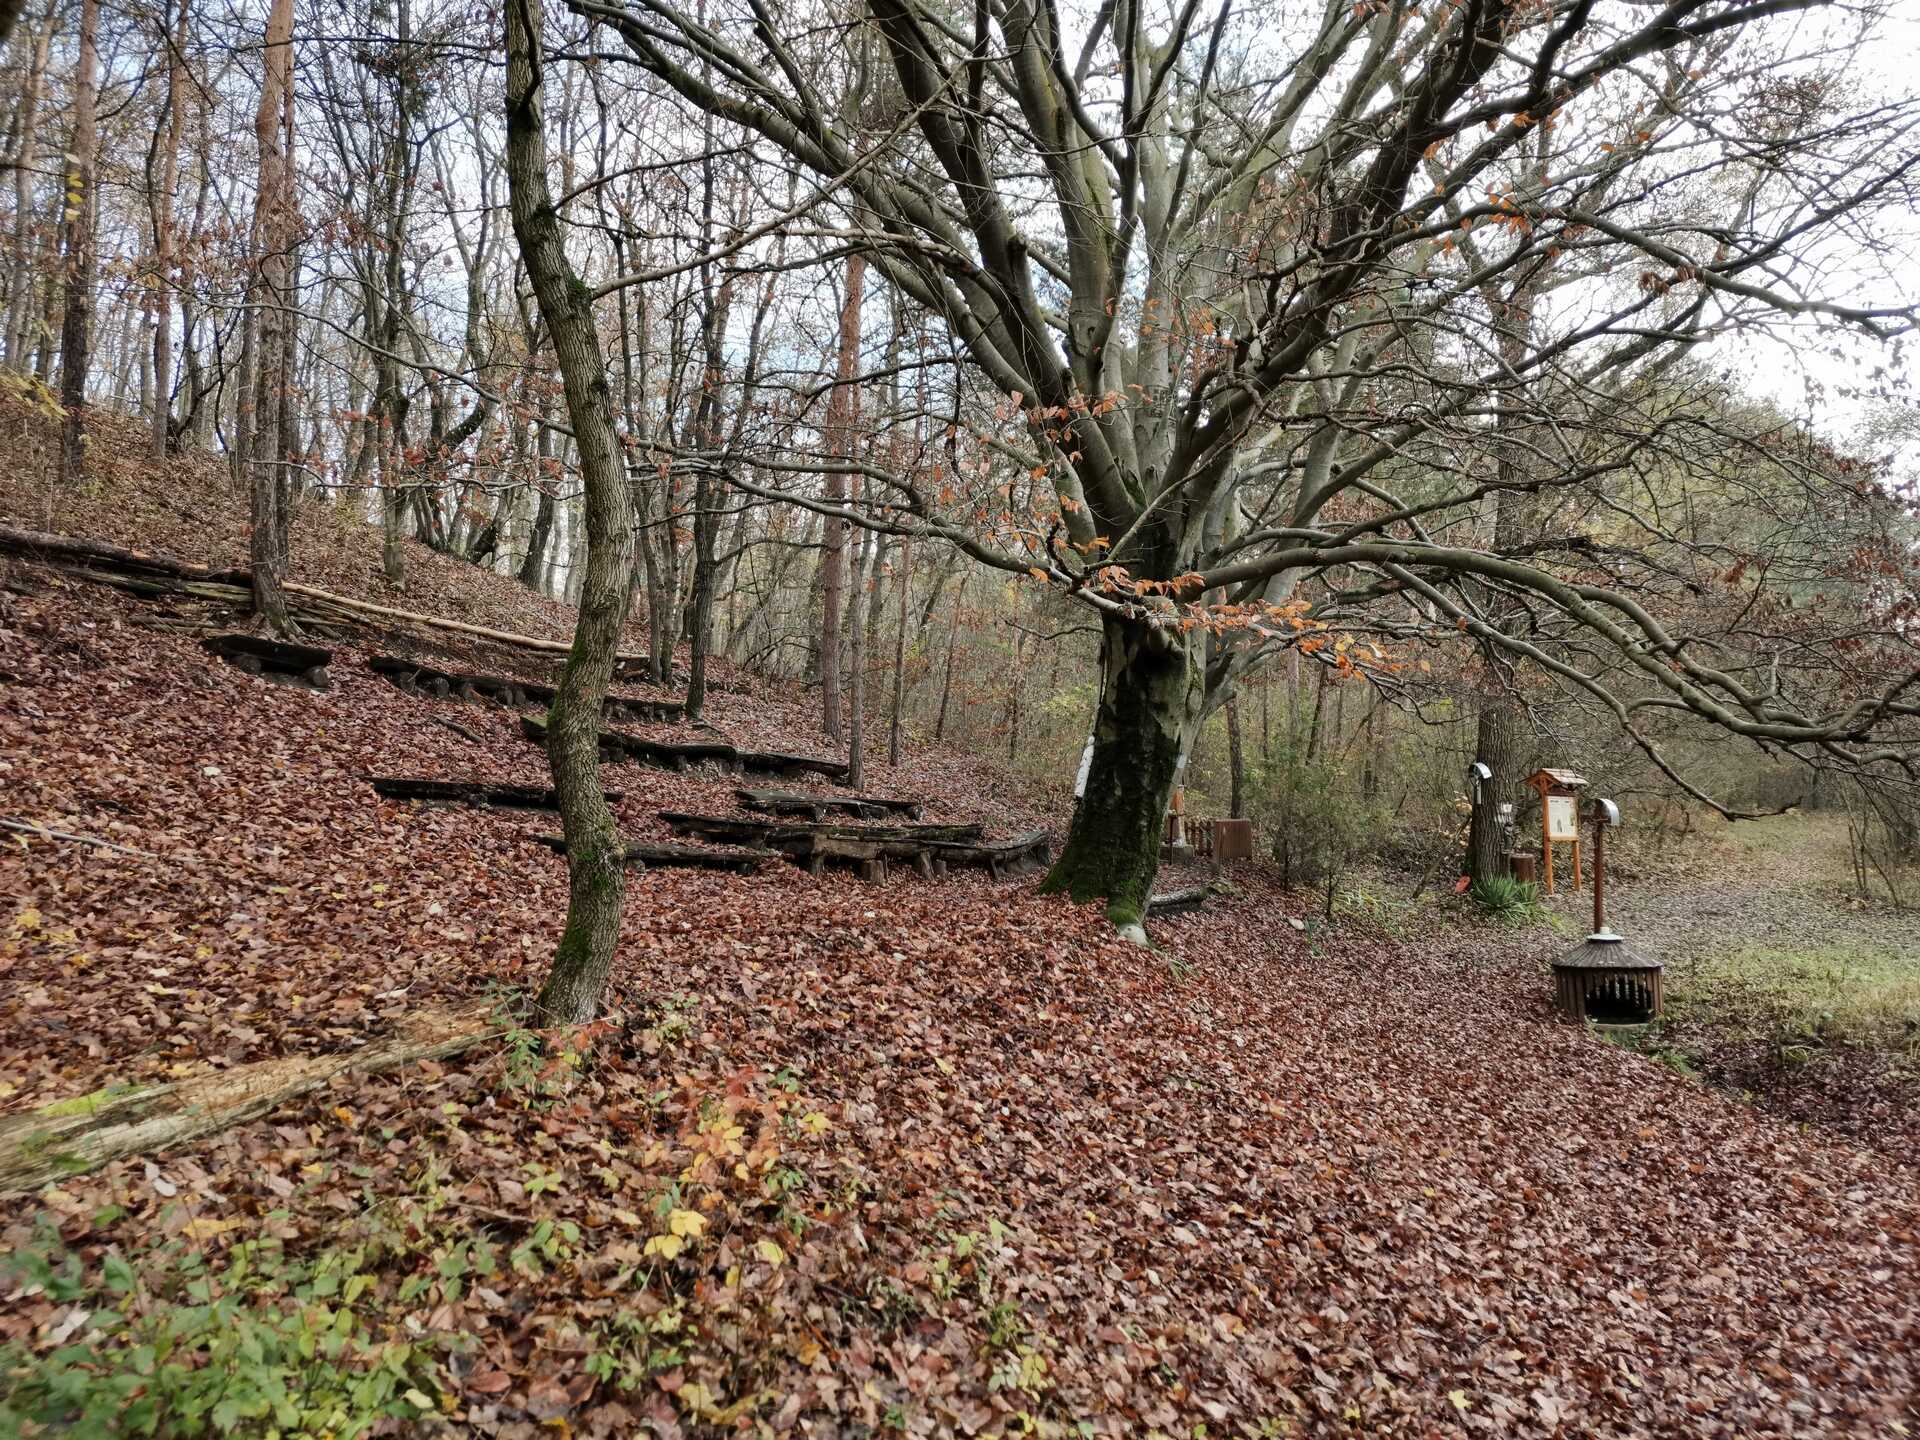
column 1559, row 818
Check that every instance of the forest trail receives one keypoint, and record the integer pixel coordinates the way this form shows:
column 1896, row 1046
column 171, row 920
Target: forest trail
column 942, row 1151
column 1783, row 882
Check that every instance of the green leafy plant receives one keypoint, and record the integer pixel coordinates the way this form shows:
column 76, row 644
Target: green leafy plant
column 1508, row 899
column 167, row 1346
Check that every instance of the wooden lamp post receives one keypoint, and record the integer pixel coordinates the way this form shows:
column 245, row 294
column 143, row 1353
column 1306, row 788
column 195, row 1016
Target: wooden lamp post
column 1559, row 792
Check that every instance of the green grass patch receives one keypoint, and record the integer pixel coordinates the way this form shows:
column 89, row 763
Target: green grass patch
column 1806, row 998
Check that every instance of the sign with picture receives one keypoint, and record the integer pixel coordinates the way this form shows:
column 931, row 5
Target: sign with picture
column 1562, row 823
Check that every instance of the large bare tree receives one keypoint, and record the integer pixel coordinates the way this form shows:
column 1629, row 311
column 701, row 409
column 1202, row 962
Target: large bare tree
column 1211, row 260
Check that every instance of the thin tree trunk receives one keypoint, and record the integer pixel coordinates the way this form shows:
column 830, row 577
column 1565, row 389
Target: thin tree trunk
column 596, row 862
column 20, row 280
column 162, row 207
column 842, row 417
column 1236, row 762
column 900, row 650
column 273, row 130
column 77, row 321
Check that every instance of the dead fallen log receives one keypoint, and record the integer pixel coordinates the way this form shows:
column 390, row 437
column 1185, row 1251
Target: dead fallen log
column 81, row 1134
column 80, row 551
column 667, row 856
column 479, row 793
column 818, row 807
column 1179, row 902
column 1182, row 902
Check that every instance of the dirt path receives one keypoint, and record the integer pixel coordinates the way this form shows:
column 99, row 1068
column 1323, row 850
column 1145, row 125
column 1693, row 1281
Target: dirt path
column 1778, row 884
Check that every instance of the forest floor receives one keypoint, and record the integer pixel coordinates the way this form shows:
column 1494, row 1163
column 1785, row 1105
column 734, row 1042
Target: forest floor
column 1782, row 982
column 922, row 1157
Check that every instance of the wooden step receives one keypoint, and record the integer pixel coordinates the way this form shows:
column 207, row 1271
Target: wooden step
column 465, row 792
column 273, row 659
column 818, row 807
column 685, row 857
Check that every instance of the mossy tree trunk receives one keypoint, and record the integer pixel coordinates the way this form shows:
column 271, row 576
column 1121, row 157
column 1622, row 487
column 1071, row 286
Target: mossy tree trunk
column 596, row 871
column 1154, row 685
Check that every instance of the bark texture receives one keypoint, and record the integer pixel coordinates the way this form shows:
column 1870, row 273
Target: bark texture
column 270, row 450
column 1154, row 686
column 596, row 868
column 76, row 326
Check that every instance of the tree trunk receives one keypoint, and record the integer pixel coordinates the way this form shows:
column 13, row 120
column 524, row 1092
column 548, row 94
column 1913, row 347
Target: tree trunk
column 1155, row 683
column 1500, row 742
column 900, row 650
column 273, row 130
column 841, row 418
column 596, row 862
column 21, row 285
column 532, row 567
column 77, row 321
column 1501, row 738
column 166, row 173
column 700, row 610
column 1236, row 762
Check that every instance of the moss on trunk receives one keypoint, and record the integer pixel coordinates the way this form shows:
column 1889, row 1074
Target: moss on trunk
column 1154, row 685
column 596, row 872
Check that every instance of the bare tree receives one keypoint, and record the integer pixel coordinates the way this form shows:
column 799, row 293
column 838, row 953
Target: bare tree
column 82, row 217
column 596, row 871
column 1208, row 264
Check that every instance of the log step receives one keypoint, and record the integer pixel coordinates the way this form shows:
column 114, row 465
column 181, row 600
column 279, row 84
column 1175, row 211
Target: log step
column 415, row 676
column 679, row 754
column 686, row 857
column 273, row 659
column 463, row 792
column 818, row 807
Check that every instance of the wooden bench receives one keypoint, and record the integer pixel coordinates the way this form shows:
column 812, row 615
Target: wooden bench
column 1000, row 858
column 685, row 857
column 280, row 660
column 463, row 792
column 818, row 807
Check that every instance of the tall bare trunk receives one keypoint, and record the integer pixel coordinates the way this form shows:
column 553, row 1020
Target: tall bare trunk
column 900, row 650
column 273, row 132
column 77, row 322
column 596, row 873
column 163, row 176
column 842, row 417
column 21, row 284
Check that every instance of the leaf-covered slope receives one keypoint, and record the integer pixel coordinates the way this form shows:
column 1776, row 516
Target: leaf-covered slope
column 1309, row 1185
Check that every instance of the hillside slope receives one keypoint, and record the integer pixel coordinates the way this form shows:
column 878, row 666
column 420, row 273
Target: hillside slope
column 928, row 1156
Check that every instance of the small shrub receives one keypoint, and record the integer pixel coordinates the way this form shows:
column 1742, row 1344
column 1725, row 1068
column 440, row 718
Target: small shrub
column 1506, row 898
column 170, row 1347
